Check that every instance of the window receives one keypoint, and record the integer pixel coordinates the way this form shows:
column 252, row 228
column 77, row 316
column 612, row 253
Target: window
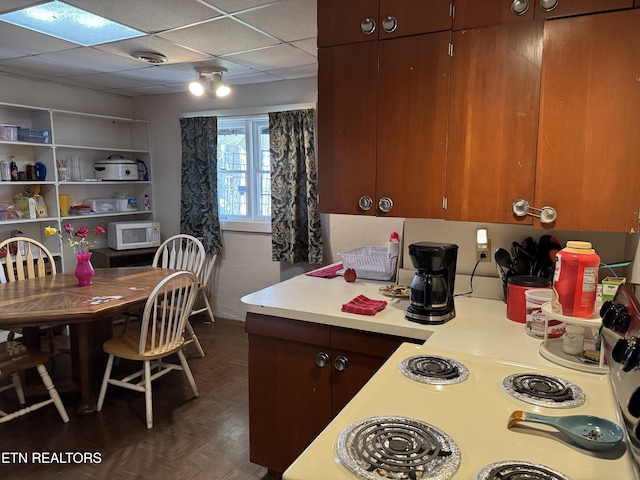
column 244, row 178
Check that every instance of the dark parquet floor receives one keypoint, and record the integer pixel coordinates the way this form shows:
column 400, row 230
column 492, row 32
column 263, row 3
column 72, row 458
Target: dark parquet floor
column 193, row 438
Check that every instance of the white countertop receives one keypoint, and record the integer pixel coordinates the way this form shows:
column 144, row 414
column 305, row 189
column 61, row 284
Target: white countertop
column 480, row 326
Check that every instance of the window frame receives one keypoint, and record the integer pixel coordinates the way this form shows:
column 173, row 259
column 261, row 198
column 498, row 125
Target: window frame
column 251, row 222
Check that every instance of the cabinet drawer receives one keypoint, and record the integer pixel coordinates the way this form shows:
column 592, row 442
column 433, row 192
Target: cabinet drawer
column 367, row 343
column 567, row 8
column 286, row 329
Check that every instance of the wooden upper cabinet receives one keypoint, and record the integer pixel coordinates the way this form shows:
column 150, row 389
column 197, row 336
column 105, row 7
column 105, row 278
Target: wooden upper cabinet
column 413, row 17
column 493, row 120
column 347, row 116
column 589, row 147
column 476, row 14
column 568, row 8
column 413, row 97
column 341, row 22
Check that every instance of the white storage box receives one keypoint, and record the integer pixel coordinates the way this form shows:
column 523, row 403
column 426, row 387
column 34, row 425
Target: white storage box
column 102, row 205
column 373, row 263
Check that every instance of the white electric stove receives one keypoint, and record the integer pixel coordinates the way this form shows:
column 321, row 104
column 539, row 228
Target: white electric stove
column 405, row 424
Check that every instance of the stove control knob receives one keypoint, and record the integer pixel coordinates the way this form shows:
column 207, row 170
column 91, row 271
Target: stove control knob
column 622, row 325
column 618, row 350
column 322, row 359
column 626, row 352
column 634, row 403
column 341, row 363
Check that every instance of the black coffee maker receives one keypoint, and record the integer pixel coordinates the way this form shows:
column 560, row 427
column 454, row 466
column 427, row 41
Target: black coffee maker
column 432, row 287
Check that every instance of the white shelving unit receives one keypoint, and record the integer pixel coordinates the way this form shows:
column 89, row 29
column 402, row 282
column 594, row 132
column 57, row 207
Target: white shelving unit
column 551, row 348
column 90, row 137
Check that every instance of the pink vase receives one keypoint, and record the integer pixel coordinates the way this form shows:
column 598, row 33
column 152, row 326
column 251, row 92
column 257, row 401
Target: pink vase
column 84, row 270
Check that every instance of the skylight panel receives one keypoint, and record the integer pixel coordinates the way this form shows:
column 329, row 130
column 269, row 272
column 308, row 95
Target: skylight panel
column 69, row 23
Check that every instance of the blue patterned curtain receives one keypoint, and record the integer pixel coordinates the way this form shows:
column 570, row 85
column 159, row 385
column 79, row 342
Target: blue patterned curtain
column 295, row 221
column 199, row 198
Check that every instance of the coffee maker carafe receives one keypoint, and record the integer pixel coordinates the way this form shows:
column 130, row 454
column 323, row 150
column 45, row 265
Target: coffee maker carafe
column 432, row 287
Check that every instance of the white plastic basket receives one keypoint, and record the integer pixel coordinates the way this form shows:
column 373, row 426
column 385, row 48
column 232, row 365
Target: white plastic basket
column 370, row 262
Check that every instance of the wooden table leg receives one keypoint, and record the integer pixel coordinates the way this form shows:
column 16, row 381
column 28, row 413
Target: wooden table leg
column 90, row 360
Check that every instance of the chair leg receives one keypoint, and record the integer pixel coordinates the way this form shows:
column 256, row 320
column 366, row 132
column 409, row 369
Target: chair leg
column 53, row 393
column 193, row 336
column 15, row 378
column 147, row 392
column 209, row 311
column 187, row 372
column 105, row 382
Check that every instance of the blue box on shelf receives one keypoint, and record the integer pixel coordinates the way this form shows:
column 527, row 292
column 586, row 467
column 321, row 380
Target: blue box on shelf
column 33, row 135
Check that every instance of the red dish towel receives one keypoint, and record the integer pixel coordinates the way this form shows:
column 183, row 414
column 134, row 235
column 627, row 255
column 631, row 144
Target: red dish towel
column 327, row 272
column 364, row 306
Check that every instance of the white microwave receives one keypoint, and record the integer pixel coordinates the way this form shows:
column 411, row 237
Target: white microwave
column 130, row 235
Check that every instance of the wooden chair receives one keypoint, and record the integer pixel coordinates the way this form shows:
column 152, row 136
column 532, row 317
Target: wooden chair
column 183, row 252
column 16, row 358
column 27, row 258
column 205, row 277
column 161, row 334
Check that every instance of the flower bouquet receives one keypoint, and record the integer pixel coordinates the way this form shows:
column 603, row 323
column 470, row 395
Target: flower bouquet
column 80, row 246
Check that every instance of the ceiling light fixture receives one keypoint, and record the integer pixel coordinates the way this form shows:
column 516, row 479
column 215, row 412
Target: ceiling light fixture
column 210, row 80
column 67, row 22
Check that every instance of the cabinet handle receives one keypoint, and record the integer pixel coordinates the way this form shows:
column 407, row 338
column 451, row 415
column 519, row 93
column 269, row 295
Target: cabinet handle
column 519, row 7
column 545, row 214
column 389, row 24
column 322, row 359
column 548, row 5
column 365, row 202
column 385, row 204
column 368, row 26
column 341, row 363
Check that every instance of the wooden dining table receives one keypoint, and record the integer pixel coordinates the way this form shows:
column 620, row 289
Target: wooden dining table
column 89, row 311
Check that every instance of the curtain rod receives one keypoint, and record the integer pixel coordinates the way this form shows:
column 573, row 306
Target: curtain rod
column 236, row 112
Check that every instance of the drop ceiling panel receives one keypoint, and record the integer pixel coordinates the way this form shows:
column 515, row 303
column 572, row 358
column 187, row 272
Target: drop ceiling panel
column 288, row 20
column 282, row 55
column 90, row 59
column 29, row 42
column 42, row 68
column 232, row 6
column 174, row 53
column 219, row 37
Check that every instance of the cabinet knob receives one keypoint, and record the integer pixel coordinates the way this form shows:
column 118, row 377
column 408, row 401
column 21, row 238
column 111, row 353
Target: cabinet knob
column 519, row 7
column 389, row 24
column 546, row 214
column 322, row 359
column 365, row 202
column 548, row 5
column 368, row 26
column 341, row 363
column 385, row 204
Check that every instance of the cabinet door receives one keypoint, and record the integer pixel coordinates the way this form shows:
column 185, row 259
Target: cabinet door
column 413, row 17
column 475, row 14
column 339, row 22
column 413, row 97
column 347, row 105
column 495, row 85
column 566, row 8
column 365, row 353
column 289, row 395
column 588, row 145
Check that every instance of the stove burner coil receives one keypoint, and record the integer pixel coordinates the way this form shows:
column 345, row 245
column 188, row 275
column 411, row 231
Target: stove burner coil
column 434, row 370
column 380, row 448
column 517, row 470
column 543, row 390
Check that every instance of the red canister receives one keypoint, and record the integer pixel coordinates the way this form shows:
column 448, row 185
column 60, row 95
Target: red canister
column 516, row 300
column 575, row 281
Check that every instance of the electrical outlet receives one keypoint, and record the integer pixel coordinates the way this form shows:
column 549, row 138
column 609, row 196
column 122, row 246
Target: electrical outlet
column 483, row 252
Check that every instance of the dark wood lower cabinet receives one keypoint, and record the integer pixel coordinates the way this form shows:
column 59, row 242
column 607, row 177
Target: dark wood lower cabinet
column 301, row 375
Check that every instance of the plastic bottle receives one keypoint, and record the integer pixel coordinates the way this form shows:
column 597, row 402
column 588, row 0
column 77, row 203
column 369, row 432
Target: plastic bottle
column 575, row 280
column 393, row 248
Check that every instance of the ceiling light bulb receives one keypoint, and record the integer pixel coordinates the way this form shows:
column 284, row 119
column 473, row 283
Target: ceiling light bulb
column 197, row 86
column 218, row 86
